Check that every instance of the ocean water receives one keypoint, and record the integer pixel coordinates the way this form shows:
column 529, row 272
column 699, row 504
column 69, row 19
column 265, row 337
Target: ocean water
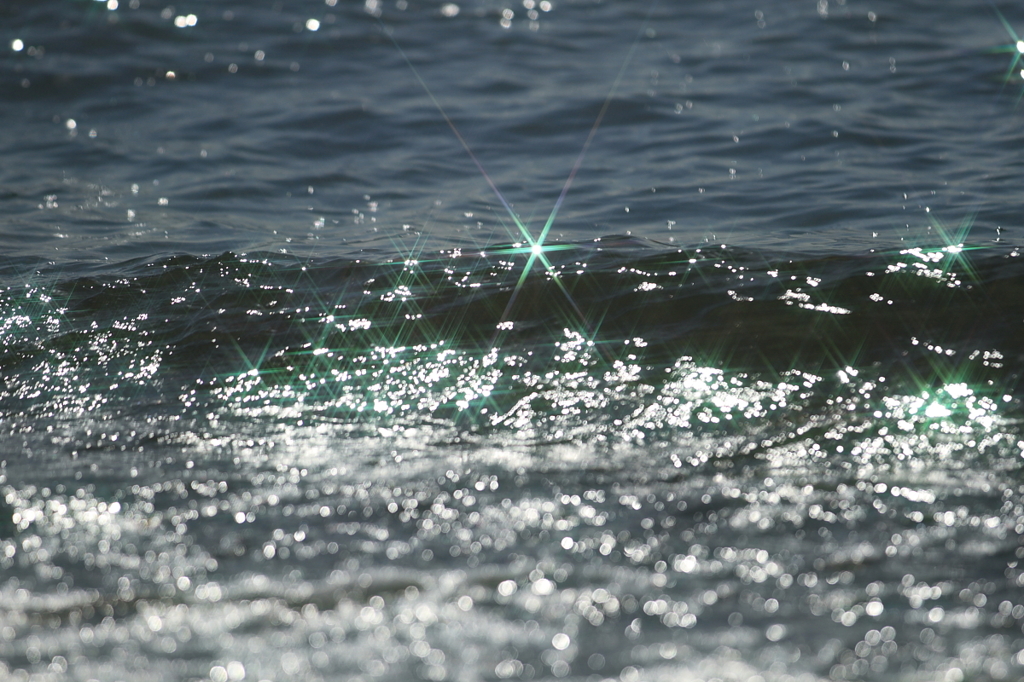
column 486, row 340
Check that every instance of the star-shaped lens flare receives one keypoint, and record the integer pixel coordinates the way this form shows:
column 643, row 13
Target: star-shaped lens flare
column 952, row 253
column 536, row 247
column 1016, row 48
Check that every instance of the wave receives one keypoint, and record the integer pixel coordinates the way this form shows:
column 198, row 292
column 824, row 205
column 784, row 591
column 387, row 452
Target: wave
column 613, row 340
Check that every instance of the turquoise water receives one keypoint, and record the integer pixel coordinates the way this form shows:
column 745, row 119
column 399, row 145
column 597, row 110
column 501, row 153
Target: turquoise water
column 288, row 393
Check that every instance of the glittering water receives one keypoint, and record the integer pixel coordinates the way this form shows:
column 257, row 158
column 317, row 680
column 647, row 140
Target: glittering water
column 286, row 394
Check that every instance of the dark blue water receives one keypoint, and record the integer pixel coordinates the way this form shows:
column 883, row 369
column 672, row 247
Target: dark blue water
column 583, row 340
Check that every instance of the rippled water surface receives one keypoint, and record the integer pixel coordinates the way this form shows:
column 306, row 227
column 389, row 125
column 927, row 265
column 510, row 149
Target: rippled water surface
column 287, row 391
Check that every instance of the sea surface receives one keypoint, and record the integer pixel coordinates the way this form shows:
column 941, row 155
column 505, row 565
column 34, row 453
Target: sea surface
column 497, row 340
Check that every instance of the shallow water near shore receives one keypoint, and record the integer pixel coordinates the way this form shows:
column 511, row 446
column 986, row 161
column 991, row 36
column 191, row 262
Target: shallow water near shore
column 286, row 393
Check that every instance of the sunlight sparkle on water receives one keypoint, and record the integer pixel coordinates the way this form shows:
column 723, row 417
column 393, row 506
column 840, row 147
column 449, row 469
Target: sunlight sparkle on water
column 379, row 480
column 936, row 411
column 1016, row 48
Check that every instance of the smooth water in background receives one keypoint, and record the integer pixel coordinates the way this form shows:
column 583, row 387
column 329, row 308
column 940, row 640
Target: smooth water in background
column 286, row 393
